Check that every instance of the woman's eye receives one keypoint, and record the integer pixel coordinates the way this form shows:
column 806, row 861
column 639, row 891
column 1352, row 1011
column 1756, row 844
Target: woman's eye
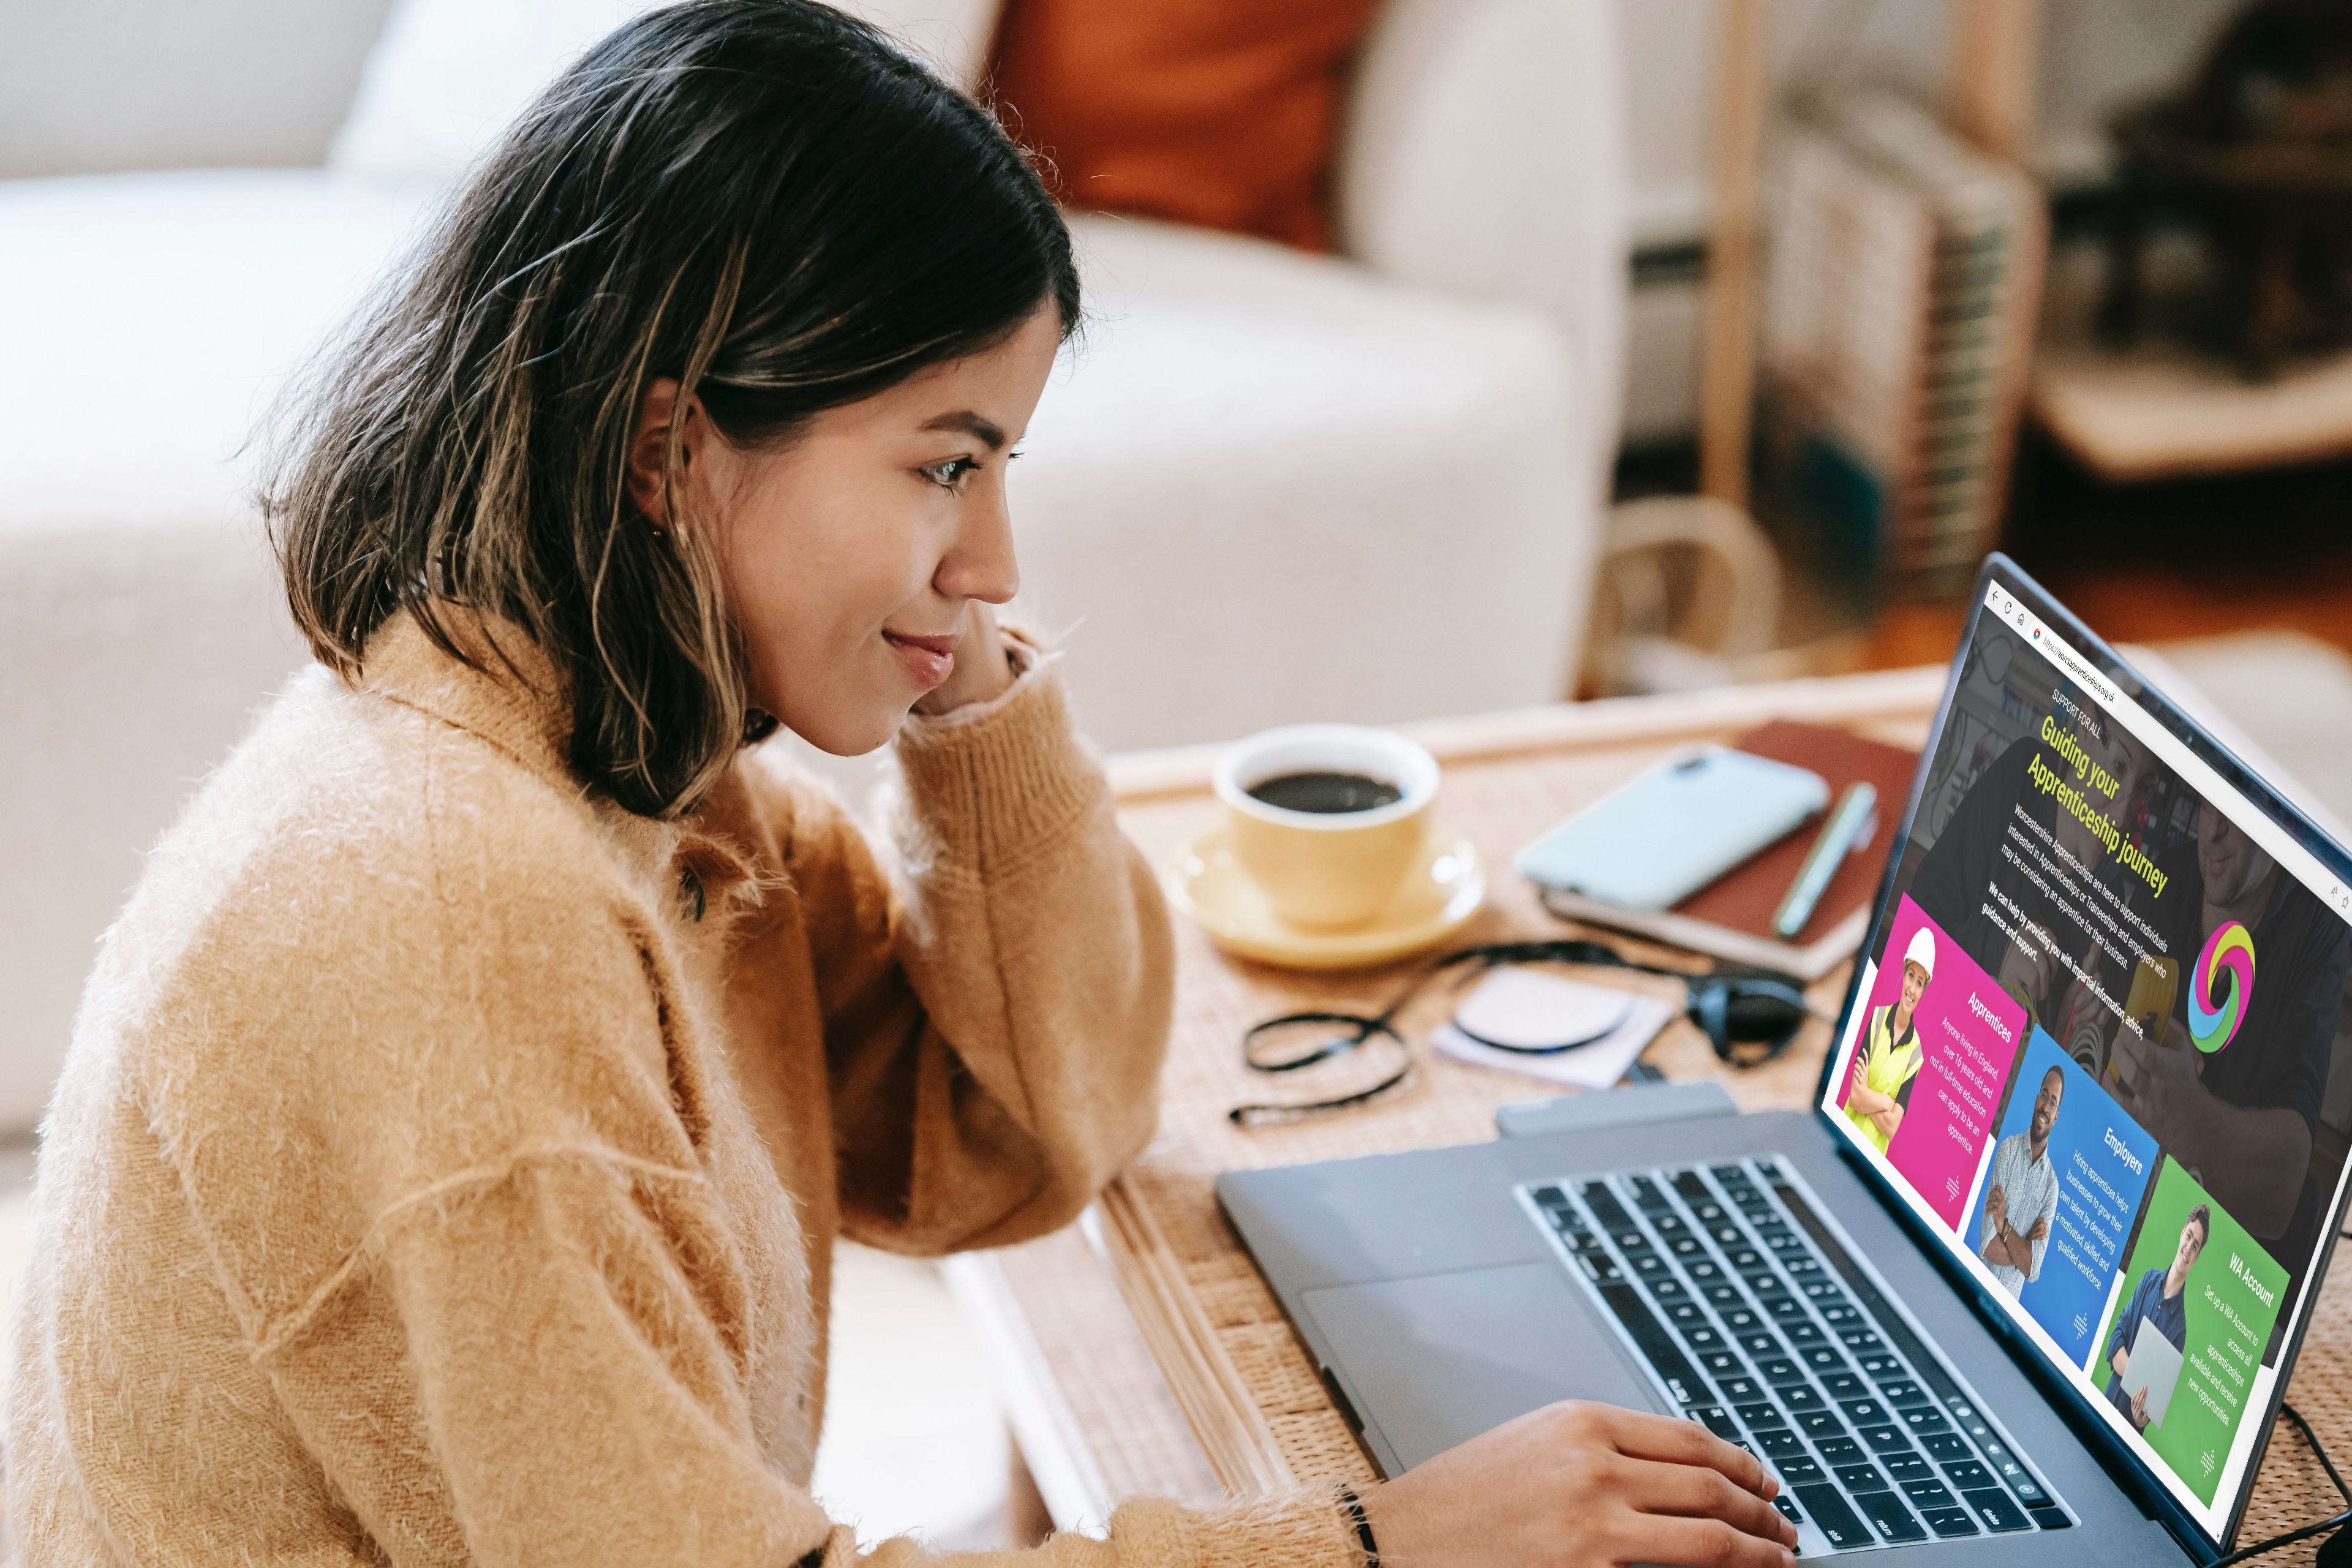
column 949, row 475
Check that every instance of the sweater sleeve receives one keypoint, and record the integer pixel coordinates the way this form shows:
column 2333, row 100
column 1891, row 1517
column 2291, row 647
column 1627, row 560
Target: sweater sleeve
column 996, row 1002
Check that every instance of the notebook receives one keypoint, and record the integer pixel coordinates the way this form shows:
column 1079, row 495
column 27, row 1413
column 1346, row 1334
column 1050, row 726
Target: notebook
column 1731, row 917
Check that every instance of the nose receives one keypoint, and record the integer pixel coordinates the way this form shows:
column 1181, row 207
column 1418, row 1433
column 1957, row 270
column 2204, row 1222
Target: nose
column 980, row 563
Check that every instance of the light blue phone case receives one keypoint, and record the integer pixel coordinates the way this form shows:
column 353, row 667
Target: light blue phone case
column 1656, row 839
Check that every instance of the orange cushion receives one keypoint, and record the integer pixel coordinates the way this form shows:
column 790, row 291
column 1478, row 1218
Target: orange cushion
column 1216, row 113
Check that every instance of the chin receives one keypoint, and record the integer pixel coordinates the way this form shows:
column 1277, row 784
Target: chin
column 850, row 735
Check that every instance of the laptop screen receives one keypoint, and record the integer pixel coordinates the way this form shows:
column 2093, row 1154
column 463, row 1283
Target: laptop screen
column 2100, row 1046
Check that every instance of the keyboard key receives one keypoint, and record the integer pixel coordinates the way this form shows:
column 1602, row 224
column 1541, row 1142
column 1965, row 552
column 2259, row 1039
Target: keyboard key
column 1800, row 1266
column 1781, row 1371
column 1882, row 1368
column 1800, row 1468
column 1717, row 1420
column 1841, row 1450
column 1841, row 1317
column 1739, row 1319
column 1861, row 1479
column 1865, row 1412
column 1832, row 1516
column 2027, row 1490
column 1729, row 1175
column 1769, row 1169
column 1805, row 1334
column 1761, row 1345
column 1948, row 1522
column 1604, row 1206
column 1861, row 1341
column 1721, row 1364
column 1944, row 1447
column 1667, row 1289
column 1802, row 1398
column 1602, row 1270
column 1668, row 1223
column 1901, row 1392
column 1786, row 1504
column 1702, row 1269
column 1744, row 1257
column 1781, row 1444
column 1708, row 1211
column 1729, row 1234
column 1924, row 1495
column 1889, row 1516
column 1969, row 1476
column 1686, row 1246
column 1692, row 1186
column 1766, row 1287
column 1926, row 1418
column 1760, row 1415
column 1824, row 1359
column 1723, row 1293
column 1820, row 1423
column 1647, row 1197
column 1844, row 1385
column 1913, row 1467
column 1739, row 1388
column 1998, row 1514
column 1632, row 1241
column 1702, row 1338
column 1682, row 1314
column 1656, row 1346
column 1822, row 1290
column 1786, row 1309
column 1650, row 1266
column 1885, row 1439
column 1781, row 1241
column 1549, row 1197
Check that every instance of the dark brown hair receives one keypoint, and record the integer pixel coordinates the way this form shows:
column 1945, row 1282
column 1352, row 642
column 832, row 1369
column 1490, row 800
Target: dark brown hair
column 764, row 199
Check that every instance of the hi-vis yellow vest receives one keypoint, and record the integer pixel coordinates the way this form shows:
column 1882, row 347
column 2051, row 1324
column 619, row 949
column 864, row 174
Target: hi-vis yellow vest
column 1888, row 1067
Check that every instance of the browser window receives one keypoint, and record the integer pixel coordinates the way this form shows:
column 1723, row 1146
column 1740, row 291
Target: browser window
column 2099, row 1047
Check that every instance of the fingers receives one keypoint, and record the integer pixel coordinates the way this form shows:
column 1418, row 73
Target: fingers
column 1694, row 1493
column 1703, row 1543
column 1638, row 1435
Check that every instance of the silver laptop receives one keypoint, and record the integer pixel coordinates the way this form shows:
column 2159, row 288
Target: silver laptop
column 2087, row 1096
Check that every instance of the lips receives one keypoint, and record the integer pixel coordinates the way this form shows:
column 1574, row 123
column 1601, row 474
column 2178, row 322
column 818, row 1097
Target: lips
column 927, row 660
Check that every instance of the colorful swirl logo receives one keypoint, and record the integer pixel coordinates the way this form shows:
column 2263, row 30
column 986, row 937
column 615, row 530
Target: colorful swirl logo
column 2231, row 950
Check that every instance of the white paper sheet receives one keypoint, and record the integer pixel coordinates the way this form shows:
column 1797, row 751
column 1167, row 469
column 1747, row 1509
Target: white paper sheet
column 1532, row 1006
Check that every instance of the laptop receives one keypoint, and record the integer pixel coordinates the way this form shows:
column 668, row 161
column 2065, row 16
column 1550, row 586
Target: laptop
column 1927, row 1304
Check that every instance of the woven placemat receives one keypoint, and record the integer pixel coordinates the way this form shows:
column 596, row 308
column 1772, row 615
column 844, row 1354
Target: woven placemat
column 1499, row 801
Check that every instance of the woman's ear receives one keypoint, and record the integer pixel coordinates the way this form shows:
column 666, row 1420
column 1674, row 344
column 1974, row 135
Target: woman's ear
column 649, row 446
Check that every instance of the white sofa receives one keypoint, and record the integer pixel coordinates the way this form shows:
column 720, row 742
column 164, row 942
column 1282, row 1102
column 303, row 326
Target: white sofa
column 1265, row 487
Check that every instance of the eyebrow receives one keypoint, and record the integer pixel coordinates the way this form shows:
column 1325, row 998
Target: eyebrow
column 985, row 431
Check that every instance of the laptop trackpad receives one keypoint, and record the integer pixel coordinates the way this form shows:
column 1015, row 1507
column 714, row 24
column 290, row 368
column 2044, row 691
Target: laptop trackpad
column 1435, row 1360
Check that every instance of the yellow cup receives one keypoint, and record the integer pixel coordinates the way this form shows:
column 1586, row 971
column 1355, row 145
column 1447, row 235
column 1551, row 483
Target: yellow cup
column 1327, row 870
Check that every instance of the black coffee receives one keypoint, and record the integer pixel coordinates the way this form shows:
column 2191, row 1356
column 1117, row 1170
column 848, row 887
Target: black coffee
column 1326, row 793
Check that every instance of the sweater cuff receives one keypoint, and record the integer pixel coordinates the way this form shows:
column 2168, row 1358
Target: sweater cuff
column 1298, row 1529
column 989, row 780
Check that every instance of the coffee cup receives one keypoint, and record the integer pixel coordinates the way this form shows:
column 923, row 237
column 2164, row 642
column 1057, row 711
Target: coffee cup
column 1327, row 819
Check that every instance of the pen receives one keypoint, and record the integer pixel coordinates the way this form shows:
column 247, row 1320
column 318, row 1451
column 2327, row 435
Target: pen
column 1849, row 824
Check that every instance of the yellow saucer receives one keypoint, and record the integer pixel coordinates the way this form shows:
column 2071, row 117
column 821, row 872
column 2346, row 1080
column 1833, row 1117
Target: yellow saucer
column 1444, row 888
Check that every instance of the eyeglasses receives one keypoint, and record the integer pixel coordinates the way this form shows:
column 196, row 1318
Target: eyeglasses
column 1748, row 1016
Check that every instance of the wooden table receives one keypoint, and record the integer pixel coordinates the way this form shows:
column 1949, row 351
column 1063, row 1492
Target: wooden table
column 1138, row 1350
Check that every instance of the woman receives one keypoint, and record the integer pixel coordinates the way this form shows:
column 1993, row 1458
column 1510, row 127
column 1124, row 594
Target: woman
column 461, row 1114
column 1878, row 1093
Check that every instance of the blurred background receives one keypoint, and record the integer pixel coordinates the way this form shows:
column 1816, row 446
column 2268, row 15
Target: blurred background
column 1443, row 356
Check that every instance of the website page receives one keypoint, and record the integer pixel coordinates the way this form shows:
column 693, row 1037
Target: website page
column 2101, row 1046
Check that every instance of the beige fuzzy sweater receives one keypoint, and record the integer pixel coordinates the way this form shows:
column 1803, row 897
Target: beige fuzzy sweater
column 448, row 1162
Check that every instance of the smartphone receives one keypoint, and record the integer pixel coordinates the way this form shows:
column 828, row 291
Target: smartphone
column 1657, row 839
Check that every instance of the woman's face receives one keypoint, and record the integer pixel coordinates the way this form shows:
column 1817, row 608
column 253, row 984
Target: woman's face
column 851, row 556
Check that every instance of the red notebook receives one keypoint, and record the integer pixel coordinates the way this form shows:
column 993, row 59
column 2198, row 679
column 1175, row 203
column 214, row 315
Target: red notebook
column 1731, row 917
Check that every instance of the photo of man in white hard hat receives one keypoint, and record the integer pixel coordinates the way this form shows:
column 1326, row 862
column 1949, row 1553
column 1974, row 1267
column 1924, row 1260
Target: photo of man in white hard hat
column 1886, row 1060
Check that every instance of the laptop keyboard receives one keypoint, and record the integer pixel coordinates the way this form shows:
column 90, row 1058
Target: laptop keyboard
column 1754, row 1320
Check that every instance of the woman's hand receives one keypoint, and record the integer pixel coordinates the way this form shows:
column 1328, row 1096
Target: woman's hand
column 982, row 670
column 1578, row 1486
